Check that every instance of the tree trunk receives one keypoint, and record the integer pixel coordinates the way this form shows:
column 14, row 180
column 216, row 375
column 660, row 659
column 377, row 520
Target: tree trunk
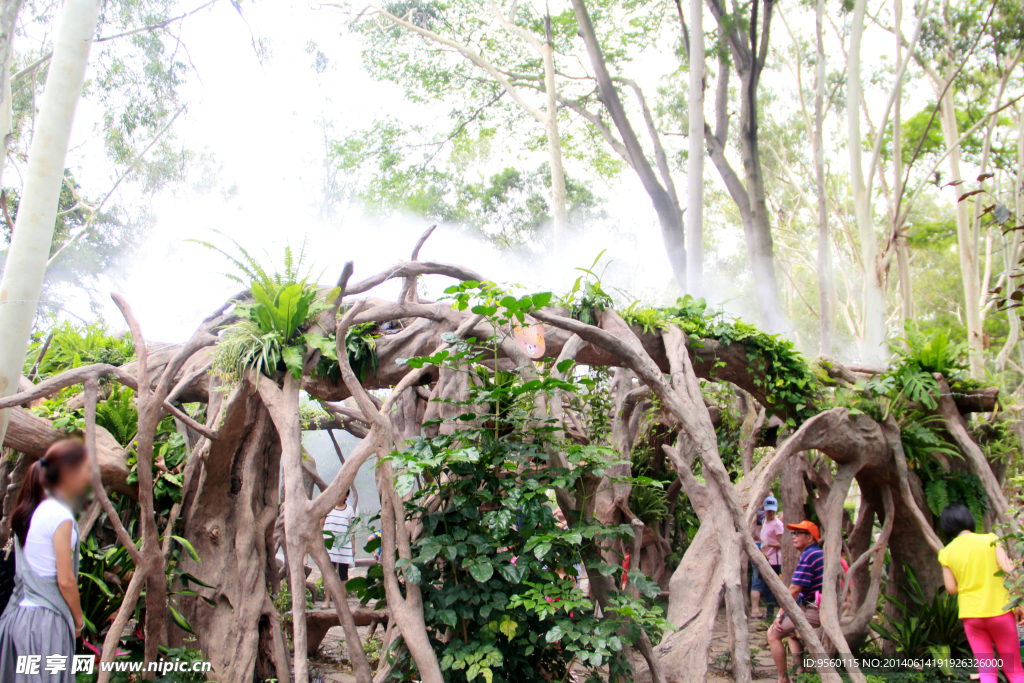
column 873, row 340
column 669, row 216
column 22, row 282
column 1011, row 250
column 558, row 200
column 902, row 251
column 226, row 518
column 9, row 10
column 748, row 55
column 695, row 594
column 966, row 242
column 695, row 161
column 760, row 246
column 825, row 287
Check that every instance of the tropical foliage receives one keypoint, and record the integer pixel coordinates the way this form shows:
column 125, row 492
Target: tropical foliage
column 72, row 345
column 495, row 567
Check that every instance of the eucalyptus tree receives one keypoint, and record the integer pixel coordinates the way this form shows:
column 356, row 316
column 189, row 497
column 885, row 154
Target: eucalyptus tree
column 494, row 48
column 605, row 46
column 861, row 182
column 969, row 53
column 695, row 155
column 30, row 244
column 391, row 168
column 495, row 70
column 9, row 10
column 136, row 90
column 745, row 38
column 135, row 75
column 826, row 286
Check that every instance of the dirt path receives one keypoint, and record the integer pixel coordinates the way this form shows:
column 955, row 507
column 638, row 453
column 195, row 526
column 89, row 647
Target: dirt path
column 720, row 659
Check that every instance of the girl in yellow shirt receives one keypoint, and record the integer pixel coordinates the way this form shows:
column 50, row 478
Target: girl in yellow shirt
column 970, row 564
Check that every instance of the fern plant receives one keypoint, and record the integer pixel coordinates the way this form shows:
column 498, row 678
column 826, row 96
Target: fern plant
column 916, row 359
column 923, row 624
column 651, row 320
column 923, row 436
column 649, row 503
column 270, row 337
column 73, row 346
column 119, row 414
column 360, row 346
column 250, row 271
column 946, row 488
column 586, row 299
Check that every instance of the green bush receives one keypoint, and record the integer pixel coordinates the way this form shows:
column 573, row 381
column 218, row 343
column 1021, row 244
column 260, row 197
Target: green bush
column 496, row 572
column 926, row 626
column 76, row 345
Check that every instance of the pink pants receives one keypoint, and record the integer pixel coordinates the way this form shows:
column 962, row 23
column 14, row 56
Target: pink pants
column 995, row 638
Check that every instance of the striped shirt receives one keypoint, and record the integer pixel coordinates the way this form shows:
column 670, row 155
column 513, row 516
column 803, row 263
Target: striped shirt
column 809, row 572
column 337, row 524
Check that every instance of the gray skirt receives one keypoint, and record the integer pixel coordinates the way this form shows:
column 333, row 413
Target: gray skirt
column 36, row 631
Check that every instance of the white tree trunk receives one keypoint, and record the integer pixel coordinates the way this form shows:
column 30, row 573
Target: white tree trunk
column 826, row 289
column 33, row 231
column 873, row 341
column 9, row 10
column 966, row 240
column 695, row 162
column 902, row 250
column 558, row 211
column 1011, row 246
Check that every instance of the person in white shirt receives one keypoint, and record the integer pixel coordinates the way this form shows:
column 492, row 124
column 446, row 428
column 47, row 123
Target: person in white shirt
column 338, row 525
column 44, row 614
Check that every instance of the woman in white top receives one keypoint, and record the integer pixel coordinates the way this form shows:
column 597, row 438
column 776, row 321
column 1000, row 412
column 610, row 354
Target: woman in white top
column 44, row 614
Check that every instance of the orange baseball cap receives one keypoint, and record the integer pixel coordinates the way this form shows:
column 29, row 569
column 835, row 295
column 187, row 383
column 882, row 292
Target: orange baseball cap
column 809, row 527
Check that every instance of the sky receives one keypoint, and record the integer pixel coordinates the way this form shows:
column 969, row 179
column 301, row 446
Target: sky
column 262, row 120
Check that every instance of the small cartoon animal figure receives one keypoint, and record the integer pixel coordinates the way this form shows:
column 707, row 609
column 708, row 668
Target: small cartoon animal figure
column 530, row 338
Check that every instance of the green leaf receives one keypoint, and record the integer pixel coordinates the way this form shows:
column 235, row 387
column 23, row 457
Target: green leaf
column 429, row 550
column 404, row 484
column 508, row 627
column 292, row 356
column 189, row 579
column 413, row 574
column 181, row 621
column 482, row 571
column 289, row 304
column 541, row 299
column 189, row 549
column 100, row 583
column 554, row 634
column 510, row 572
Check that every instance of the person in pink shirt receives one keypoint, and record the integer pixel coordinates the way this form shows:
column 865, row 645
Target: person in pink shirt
column 771, row 547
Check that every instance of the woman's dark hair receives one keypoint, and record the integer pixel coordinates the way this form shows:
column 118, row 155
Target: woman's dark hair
column 955, row 519
column 43, row 475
